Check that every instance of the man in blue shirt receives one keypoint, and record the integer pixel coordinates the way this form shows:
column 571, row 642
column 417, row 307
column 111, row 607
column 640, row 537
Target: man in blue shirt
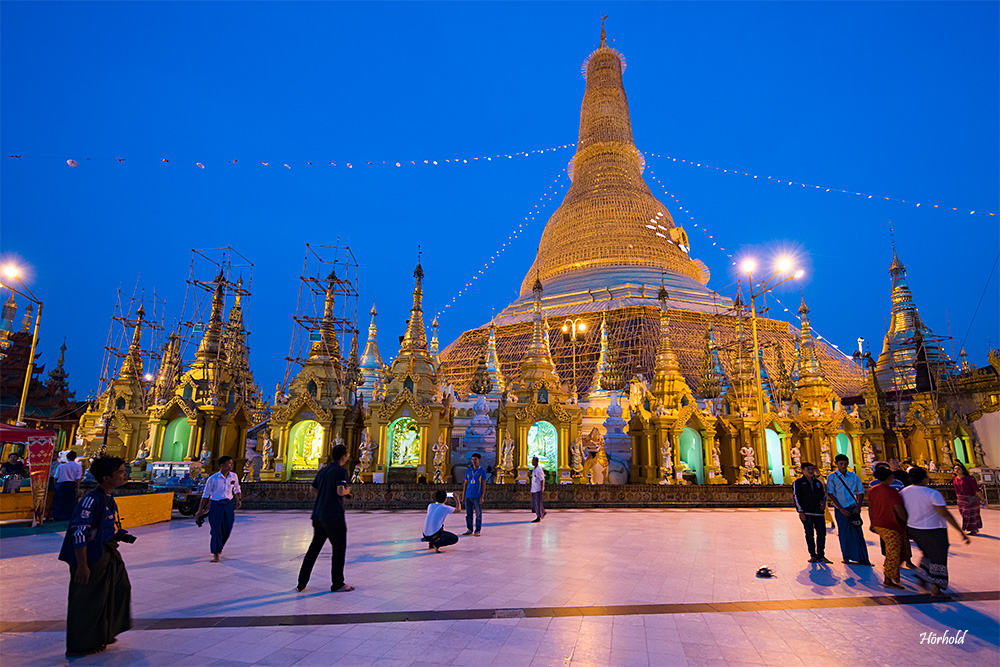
column 846, row 492
column 473, row 491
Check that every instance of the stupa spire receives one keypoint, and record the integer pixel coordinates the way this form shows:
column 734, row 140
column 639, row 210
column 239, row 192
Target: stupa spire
column 537, row 364
column 327, row 346
column 132, row 364
column 713, row 376
column 434, row 342
column 415, row 338
column 810, row 372
column 210, row 349
column 492, row 362
column 370, row 364
column 609, row 217
column 58, row 375
column 907, row 335
column 170, row 363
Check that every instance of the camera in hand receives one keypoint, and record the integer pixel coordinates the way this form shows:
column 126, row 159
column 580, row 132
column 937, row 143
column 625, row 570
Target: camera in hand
column 123, row 535
column 199, row 521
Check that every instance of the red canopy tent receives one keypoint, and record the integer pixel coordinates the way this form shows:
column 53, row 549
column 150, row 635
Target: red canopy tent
column 41, row 445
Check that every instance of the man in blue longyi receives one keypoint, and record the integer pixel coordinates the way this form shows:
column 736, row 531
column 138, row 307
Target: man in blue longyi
column 473, row 492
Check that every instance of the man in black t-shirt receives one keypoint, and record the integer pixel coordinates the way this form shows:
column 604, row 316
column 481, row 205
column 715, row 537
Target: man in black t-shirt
column 329, row 487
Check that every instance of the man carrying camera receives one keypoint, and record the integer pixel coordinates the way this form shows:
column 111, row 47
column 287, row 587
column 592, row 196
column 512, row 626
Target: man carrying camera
column 330, row 487
column 434, row 533
column 100, row 595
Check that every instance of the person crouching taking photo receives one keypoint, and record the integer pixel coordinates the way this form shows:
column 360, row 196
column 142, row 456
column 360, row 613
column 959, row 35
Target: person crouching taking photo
column 434, row 533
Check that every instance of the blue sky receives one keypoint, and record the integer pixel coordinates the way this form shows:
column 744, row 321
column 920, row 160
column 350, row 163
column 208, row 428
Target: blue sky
column 896, row 99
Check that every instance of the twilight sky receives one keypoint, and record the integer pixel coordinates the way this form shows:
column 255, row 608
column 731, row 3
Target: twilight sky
column 890, row 99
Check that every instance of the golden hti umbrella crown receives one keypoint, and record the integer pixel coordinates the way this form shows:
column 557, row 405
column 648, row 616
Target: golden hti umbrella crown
column 609, row 217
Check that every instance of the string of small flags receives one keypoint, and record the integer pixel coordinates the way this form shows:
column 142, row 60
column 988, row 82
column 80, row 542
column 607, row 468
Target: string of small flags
column 761, row 177
column 816, row 334
column 521, row 228
column 649, row 170
column 347, row 165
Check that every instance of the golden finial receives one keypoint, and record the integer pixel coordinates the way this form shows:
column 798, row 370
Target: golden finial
column 604, row 37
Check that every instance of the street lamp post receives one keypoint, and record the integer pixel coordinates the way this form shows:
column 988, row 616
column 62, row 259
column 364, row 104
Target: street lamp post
column 749, row 265
column 12, row 272
column 570, row 329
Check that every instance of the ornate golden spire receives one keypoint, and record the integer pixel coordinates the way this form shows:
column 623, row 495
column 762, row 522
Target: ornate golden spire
column 415, row 338
column 537, row 364
column 327, row 347
column 170, row 364
column 493, row 362
column 371, row 360
column 608, row 375
column 609, row 217
column 434, row 342
column 907, row 334
column 210, row 347
column 132, row 364
column 810, row 372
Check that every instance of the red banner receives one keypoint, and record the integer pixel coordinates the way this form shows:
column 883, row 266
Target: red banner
column 40, row 449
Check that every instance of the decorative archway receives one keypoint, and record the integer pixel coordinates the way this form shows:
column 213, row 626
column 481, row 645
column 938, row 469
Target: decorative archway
column 306, row 445
column 961, row 453
column 543, row 442
column 692, row 453
column 176, row 437
column 775, row 461
column 404, row 443
column 844, row 447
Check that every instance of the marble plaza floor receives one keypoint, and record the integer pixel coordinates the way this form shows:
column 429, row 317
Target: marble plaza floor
column 584, row 587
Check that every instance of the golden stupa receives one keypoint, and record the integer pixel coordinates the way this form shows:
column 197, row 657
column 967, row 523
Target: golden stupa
column 612, row 258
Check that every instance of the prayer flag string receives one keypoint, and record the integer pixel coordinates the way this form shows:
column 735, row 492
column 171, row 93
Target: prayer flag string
column 810, row 186
column 203, row 164
column 690, row 217
column 514, row 234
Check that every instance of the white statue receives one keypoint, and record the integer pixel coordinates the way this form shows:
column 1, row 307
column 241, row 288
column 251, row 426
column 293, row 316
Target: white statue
column 932, row 467
column 367, row 448
column 507, row 454
column 748, row 457
column 268, row 454
column 868, row 453
column 254, row 461
column 715, row 458
column 440, row 449
column 825, row 451
column 796, row 455
column 337, row 440
column 576, row 457
column 666, row 460
column 140, row 457
column 946, row 457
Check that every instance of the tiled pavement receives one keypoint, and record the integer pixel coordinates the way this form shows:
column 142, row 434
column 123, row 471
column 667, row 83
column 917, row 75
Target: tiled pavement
column 652, row 571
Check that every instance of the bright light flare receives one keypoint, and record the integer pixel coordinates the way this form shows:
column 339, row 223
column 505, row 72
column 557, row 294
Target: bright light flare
column 784, row 264
column 148, row 377
column 11, row 271
column 749, row 265
column 799, row 274
column 583, row 326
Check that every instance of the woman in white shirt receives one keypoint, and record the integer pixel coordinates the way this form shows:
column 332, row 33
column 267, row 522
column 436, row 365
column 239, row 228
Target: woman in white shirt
column 927, row 525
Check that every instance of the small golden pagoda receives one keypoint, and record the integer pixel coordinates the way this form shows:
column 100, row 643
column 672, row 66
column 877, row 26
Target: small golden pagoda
column 412, row 421
column 121, row 409
column 316, row 414
column 205, row 412
column 539, row 417
column 671, row 436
